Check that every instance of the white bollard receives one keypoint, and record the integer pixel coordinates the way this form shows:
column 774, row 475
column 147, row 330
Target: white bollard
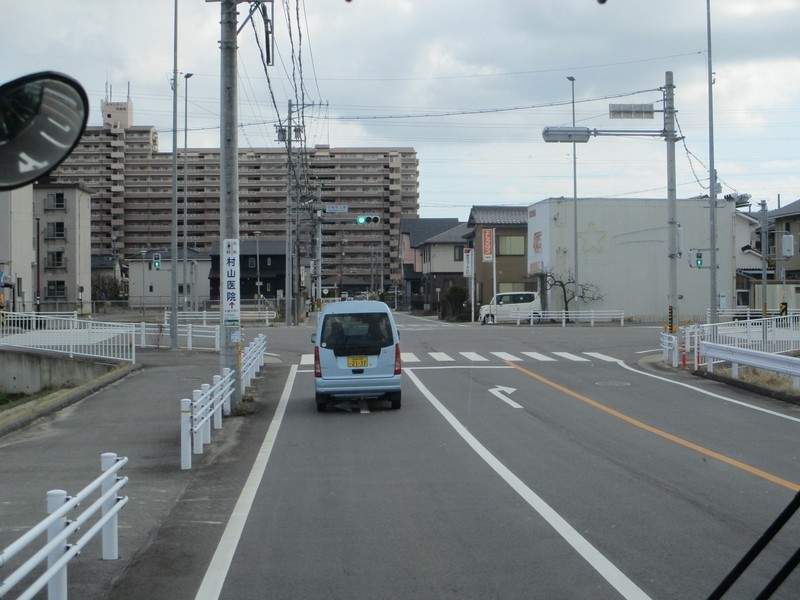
column 110, row 530
column 197, row 435
column 186, row 434
column 207, row 401
column 57, row 586
column 226, row 406
column 218, row 408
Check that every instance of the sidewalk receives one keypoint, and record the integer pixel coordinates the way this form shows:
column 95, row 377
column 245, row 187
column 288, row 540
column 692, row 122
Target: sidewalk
column 56, row 443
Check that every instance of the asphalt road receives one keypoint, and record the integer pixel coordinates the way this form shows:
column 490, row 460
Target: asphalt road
column 541, row 462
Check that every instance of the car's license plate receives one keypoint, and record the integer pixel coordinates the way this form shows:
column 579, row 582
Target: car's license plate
column 357, row 361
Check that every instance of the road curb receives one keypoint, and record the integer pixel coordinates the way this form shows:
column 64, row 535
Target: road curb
column 25, row 414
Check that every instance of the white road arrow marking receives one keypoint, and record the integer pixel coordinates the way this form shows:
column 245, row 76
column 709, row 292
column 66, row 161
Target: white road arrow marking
column 501, row 391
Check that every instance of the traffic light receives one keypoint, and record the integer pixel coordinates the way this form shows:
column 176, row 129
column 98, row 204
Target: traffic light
column 698, row 259
column 157, row 261
column 367, row 219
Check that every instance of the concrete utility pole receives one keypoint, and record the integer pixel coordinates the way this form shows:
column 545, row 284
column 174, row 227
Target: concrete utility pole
column 173, row 321
column 287, row 292
column 712, row 175
column 229, row 180
column 672, row 211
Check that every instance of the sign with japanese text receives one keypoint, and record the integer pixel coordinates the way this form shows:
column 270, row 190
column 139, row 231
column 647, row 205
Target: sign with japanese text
column 468, row 266
column 488, row 245
column 229, row 291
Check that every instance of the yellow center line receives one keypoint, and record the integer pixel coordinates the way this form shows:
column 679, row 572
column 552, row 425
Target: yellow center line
column 668, row 436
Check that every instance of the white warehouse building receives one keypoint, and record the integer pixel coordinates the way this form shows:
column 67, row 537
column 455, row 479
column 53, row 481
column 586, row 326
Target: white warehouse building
column 623, row 250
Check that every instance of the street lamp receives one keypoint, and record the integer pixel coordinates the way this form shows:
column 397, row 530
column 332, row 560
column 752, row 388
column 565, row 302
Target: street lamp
column 258, row 270
column 574, row 187
column 185, row 186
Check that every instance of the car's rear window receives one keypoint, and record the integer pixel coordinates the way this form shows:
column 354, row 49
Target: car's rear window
column 363, row 333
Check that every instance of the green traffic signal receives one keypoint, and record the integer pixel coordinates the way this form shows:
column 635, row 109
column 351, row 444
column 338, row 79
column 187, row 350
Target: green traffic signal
column 365, row 219
column 698, row 260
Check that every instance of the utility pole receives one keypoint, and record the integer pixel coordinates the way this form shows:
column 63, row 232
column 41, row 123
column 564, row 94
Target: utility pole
column 173, row 321
column 712, row 175
column 672, row 211
column 287, row 293
column 229, row 180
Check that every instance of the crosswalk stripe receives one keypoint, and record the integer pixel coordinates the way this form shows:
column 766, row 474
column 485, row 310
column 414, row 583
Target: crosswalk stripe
column 539, row 356
column 599, row 356
column 570, row 356
column 410, row 357
column 507, row 356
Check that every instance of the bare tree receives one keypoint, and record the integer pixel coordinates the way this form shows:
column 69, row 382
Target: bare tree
column 571, row 290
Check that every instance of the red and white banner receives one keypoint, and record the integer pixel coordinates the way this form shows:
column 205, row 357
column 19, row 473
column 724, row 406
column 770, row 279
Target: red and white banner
column 488, row 245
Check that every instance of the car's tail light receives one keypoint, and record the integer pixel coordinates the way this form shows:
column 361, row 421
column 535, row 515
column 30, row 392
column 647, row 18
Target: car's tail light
column 317, row 366
column 397, row 366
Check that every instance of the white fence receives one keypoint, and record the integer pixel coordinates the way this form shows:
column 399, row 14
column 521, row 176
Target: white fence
column 192, row 336
column 66, row 334
column 206, row 317
column 571, row 316
column 213, row 401
column 59, row 550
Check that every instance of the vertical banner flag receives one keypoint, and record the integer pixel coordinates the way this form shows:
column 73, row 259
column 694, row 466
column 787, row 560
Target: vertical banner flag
column 229, row 295
column 488, row 245
column 468, row 269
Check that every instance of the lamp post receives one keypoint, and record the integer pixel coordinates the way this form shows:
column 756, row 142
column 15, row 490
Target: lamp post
column 185, row 186
column 258, row 271
column 143, row 252
column 574, row 188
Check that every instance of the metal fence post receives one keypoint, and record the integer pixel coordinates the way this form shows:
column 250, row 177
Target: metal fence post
column 186, row 434
column 218, row 408
column 57, row 586
column 197, row 435
column 110, row 530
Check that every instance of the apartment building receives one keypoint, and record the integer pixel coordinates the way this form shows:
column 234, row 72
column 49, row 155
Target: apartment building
column 131, row 186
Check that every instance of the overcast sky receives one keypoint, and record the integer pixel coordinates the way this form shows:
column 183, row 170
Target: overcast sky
column 469, row 84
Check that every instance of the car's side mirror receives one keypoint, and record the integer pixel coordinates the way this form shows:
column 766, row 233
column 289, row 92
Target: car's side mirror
column 42, row 118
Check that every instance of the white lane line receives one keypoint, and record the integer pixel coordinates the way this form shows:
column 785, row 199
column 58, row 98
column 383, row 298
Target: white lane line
column 473, row 356
column 618, row 580
column 570, row 356
column 441, row 356
column 307, row 359
column 506, row 356
column 539, row 356
column 408, row 357
column 211, row 587
column 712, row 394
column 599, row 356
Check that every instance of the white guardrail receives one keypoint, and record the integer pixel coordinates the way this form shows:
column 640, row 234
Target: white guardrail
column 213, row 401
column 759, row 343
column 568, row 316
column 59, row 550
column 779, row 363
column 66, row 334
column 192, row 336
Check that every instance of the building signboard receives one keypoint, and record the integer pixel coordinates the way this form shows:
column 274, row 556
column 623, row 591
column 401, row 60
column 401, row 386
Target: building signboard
column 229, row 295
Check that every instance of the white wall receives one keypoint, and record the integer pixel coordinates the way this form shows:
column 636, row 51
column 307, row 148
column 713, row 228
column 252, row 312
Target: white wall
column 623, row 250
column 17, row 253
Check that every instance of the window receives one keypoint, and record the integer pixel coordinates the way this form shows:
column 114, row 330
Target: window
column 55, row 231
column 251, row 262
column 511, row 245
column 55, row 260
column 458, row 253
column 55, row 201
column 56, row 289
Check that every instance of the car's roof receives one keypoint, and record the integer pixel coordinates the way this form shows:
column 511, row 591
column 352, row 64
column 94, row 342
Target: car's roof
column 356, row 306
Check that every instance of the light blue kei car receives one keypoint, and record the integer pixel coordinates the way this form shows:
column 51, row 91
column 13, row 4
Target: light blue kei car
column 357, row 353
